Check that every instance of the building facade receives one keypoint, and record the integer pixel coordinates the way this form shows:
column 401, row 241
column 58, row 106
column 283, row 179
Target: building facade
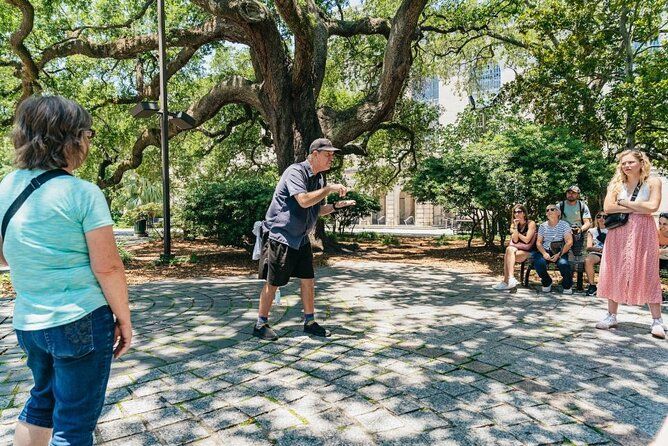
column 398, row 207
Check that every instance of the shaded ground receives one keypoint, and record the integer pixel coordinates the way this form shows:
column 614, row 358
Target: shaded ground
column 202, row 258
column 420, row 355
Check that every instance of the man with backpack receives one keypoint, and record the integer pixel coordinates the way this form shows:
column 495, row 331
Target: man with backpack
column 576, row 213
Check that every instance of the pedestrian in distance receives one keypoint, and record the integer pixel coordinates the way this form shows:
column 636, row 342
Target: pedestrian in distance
column 298, row 200
column 522, row 244
column 629, row 272
column 553, row 242
column 71, row 312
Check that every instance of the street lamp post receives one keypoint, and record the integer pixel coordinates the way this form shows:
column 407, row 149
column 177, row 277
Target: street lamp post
column 181, row 120
column 164, row 136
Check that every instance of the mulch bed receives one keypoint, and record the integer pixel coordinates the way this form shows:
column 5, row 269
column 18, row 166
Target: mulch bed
column 205, row 258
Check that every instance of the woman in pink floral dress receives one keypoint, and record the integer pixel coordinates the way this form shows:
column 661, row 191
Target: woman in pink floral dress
column 629, row 272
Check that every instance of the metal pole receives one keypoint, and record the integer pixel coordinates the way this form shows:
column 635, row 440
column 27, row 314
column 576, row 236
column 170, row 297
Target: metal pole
column 164, row 133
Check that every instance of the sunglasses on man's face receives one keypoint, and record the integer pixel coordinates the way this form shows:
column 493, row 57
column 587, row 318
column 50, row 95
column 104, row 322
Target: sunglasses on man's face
column 551, row 209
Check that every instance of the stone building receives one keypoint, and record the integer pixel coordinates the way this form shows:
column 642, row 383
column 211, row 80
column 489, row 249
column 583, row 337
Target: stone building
column 452, row 97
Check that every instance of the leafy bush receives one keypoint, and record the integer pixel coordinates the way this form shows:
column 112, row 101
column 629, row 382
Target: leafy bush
column 368, row 236
column 527, row 164
column 389, row 240
column 227, row 210
column 147, row 211
column 126, row 256
column 347, row 218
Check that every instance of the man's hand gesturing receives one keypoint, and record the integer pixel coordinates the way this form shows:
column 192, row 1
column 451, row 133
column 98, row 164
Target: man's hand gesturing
column 338, row 189
column 344, row 204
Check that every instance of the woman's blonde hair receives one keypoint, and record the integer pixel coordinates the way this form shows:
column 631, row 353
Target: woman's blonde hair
column 48, row 133
column 620, row 177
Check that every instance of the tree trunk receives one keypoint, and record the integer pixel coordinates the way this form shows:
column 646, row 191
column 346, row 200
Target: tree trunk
column 630, row 126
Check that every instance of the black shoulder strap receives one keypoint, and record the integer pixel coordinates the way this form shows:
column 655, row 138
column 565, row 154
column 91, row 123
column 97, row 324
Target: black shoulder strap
column 582, row 211
column 562, row 206
column 635, row 192
column 35, row 184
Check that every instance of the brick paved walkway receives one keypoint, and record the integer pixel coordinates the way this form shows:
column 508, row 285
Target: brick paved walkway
column 419, row 356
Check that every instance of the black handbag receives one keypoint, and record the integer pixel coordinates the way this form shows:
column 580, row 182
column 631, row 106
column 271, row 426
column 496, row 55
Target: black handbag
column 557, row 246
column 617, row 219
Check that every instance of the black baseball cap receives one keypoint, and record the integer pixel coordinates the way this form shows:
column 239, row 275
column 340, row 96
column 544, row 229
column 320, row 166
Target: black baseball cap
column 322, row 145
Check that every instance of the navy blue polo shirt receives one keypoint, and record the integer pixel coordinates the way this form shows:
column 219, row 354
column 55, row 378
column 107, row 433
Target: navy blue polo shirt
column 286, row 221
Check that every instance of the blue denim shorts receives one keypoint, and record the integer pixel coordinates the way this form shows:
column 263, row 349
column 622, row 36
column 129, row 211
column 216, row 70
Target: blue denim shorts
column 70, row 366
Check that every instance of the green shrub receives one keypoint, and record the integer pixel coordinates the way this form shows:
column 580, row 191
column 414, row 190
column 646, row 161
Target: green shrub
column 126, row 256
column 146, row 211
column 227, row 210
column 389, row 240
column 369, row 236
column 347, row 218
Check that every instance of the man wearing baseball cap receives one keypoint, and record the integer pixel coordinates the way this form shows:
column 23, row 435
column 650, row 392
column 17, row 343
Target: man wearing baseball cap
column 298, row 200
column 576, row 213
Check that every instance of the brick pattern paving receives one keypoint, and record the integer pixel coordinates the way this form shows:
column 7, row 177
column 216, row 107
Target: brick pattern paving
column 419, row 356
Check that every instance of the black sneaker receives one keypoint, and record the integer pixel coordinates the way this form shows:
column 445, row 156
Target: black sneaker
column 316, row 330
column 591, row 291
column 265, row 333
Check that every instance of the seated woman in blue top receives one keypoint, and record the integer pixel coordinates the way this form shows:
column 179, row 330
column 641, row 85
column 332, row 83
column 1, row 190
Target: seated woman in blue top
column 554, row 240
column 67, row 274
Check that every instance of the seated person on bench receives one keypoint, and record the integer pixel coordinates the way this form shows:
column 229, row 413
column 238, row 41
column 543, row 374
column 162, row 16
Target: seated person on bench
column 595, row 239
column 554, row 240
column 663, row 241
column 522, row 243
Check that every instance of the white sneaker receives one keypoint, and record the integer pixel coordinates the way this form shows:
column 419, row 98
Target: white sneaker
column 568, row 290
column 501, row 286
column 546, row 289
column 608, row 322
column 512, row 283
column 657, row 329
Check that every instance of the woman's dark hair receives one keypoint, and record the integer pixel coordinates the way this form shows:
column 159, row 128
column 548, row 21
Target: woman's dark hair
column 48, row 133
column 522, row 208
column 664, row 215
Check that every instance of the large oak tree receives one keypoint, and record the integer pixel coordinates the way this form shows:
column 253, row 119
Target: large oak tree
column 287, row 41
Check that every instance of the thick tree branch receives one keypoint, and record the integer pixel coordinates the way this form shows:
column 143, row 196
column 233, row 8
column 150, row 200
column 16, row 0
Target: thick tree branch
column 396, row 66
column 234, row 90
column 130, row 47
column 16, row 40
column 364, row 27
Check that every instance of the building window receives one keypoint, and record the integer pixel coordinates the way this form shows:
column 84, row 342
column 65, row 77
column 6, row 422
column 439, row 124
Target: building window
column 426, row 91
column 489, row 78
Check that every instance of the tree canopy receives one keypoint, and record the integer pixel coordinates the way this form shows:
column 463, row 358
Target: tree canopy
column 265, row 77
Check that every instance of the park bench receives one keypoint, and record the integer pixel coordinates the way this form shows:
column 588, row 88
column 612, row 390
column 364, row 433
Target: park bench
column 576, row 262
